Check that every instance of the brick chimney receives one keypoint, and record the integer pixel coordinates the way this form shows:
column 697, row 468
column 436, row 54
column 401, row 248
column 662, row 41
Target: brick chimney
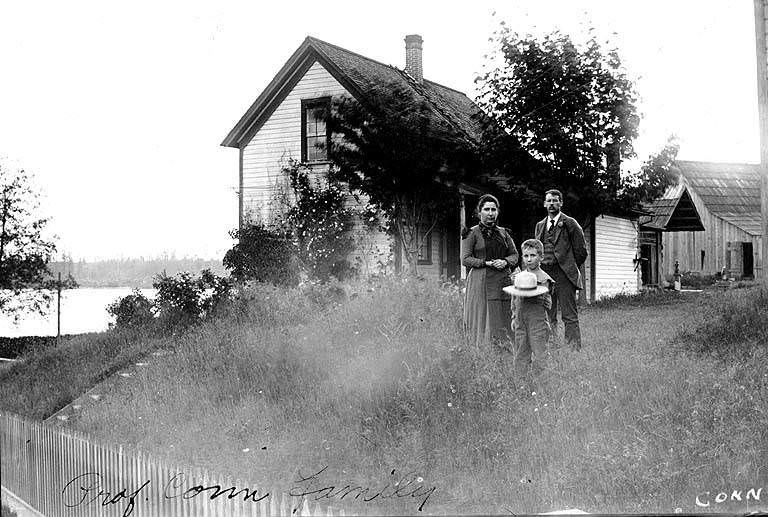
column 413, row 57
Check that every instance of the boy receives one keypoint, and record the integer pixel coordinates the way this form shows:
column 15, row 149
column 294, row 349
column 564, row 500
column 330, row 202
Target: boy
column 532, row 298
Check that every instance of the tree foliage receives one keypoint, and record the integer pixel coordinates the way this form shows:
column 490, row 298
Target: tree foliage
column 25, row 279
column 653, row 178
column 263, row 254
column 320, row 222
column 573, row 107
column 391, row 150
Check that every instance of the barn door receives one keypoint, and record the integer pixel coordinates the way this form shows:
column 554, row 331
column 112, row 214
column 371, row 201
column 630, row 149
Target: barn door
column 748, row 259
column 734, row 259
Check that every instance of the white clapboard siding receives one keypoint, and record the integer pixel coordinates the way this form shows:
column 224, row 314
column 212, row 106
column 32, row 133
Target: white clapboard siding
column 615, row 251
column 276, row 143
column 279, row 140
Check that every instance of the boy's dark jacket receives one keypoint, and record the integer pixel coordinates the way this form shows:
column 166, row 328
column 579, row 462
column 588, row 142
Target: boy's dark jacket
column 570, row 247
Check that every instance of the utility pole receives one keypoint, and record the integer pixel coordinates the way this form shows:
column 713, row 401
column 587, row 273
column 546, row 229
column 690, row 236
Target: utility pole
column 761, row 44
column 58, row 310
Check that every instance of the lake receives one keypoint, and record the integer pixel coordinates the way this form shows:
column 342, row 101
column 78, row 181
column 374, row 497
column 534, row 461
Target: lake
column 82, row 310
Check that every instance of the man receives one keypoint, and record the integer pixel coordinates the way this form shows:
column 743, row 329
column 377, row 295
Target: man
column 564, row 253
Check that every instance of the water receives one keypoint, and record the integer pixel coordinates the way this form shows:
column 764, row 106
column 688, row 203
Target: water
column 82, row 310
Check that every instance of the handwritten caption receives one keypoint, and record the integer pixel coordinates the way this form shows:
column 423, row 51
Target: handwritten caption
column 88, row 488
column 708, row 498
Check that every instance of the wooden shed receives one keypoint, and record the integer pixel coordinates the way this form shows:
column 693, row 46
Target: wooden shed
column 611, row 267
column 726, row 199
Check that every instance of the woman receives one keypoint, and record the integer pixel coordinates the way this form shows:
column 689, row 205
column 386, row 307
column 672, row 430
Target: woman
column 489, row 253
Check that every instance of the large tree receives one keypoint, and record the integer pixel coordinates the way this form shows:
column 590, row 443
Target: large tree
column 391, row 149
column 26, row 282
column 574, row 109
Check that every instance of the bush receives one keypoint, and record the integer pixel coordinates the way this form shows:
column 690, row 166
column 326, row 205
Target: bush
column 183, row 299
column 13, row 347
column 262, row 254
column 7, row 512
column 324, row 294
column 645, row 298
column 321, row 225
column 696, row 280
column 134, row 310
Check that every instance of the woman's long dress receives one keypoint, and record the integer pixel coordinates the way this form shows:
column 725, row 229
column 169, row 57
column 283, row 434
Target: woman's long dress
column 487, row 308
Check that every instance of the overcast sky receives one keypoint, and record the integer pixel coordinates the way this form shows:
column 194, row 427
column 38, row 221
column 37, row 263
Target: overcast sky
column 119, row 108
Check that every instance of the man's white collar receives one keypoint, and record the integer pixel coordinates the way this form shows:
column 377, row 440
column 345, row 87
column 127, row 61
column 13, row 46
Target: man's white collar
column 556, row 218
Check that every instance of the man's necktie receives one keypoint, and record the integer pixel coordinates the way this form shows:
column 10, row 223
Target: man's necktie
column 551, row 225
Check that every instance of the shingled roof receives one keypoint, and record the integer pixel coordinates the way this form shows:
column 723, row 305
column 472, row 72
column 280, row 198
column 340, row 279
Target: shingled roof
column 673, row 212
column 730, row 191
column 449, row 110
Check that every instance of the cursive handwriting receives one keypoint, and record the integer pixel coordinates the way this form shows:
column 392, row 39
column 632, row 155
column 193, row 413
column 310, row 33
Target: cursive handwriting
column 90, row 486
column 311, row 486
column 176, row 484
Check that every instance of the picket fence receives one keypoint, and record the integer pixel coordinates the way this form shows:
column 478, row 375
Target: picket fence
column 38, row 463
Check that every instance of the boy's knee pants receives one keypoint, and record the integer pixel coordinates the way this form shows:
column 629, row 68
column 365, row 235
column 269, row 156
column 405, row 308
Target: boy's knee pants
column 531, row 333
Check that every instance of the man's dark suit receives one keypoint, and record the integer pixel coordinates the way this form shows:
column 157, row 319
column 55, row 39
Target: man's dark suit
column 570, row 252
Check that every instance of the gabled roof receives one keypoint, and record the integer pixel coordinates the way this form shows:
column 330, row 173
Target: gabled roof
column 672, row 212
column 730, row 191
column 448, row 109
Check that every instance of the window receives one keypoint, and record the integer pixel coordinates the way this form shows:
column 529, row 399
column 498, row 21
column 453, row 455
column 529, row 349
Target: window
column 425, row 252
column 315, row 138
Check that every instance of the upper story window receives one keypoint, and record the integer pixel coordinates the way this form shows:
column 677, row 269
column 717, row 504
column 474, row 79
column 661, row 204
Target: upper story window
column 315, row 137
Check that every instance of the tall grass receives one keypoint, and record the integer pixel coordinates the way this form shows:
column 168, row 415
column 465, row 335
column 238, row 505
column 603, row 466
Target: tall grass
column 49, row 378
column 385, row 381
column 737, row 328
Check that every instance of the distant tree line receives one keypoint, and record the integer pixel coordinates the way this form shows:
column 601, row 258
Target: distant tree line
column 131, row 272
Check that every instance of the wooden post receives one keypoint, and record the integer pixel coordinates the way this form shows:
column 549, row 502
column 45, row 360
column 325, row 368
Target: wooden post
column 762, row 106
column 462, row 226
column 58, row 310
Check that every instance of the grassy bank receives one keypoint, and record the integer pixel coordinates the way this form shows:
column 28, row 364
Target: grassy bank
column 640, row 419
column 49, row 377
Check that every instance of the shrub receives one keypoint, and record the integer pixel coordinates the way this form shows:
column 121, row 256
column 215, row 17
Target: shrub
column 7, row 512
column 321, row 224
column 183, row 299
column 324, row 294
column 696, row 280
column 134, row 310
column 263, row 254
column 645, row 298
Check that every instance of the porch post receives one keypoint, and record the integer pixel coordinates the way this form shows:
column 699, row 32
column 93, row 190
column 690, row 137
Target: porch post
column 462, row 226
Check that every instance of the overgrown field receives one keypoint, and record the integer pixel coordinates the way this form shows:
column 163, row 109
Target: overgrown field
column 667, row 400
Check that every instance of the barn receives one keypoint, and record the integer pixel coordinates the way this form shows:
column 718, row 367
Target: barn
column 725, row 197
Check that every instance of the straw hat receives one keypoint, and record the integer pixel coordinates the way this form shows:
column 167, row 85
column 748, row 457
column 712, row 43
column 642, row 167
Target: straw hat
column 526, row 286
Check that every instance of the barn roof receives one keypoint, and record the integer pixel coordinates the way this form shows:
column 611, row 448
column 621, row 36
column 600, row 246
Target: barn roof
column 673, row 212
column 449, row 110
column 730, row 191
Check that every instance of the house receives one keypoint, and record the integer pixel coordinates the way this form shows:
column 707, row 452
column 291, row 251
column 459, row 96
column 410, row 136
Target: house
column 284, row 123
column 725, row 197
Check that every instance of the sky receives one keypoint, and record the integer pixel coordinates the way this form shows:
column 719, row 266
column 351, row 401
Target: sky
column 119, row 108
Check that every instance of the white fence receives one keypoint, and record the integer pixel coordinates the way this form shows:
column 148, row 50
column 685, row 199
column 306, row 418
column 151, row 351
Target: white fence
column 67, row 474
